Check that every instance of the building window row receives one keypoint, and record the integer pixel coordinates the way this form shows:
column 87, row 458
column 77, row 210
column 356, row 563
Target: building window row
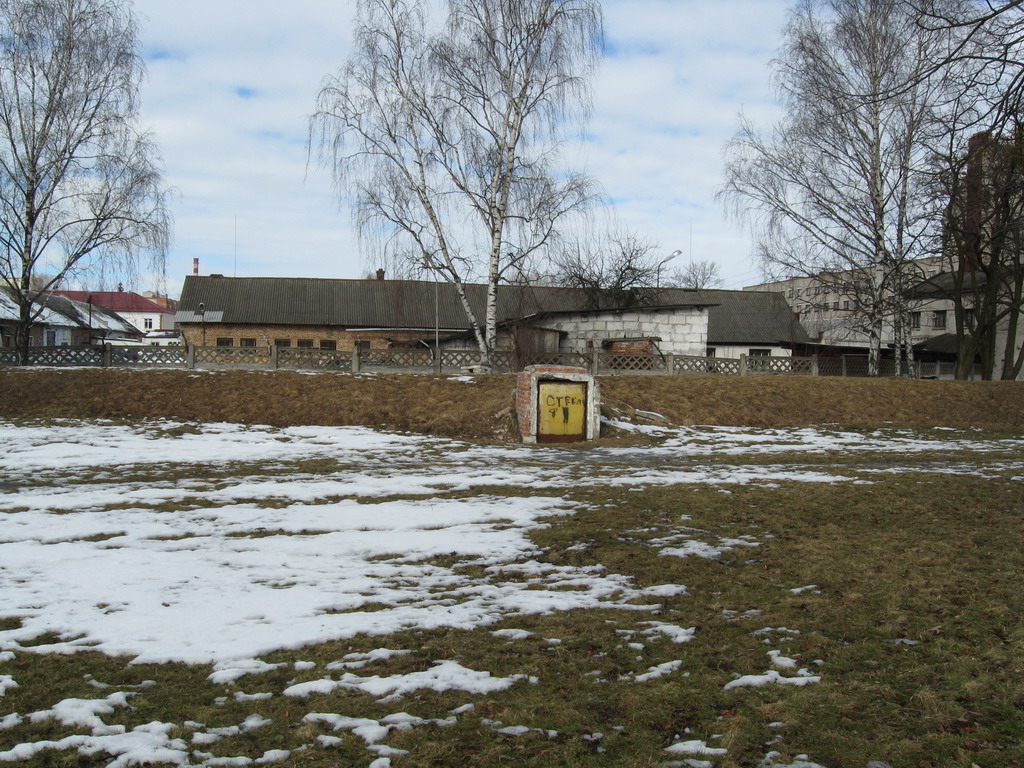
column 300, row 343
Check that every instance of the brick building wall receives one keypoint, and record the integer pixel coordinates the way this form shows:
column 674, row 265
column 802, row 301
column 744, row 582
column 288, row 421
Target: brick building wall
column 268, row 335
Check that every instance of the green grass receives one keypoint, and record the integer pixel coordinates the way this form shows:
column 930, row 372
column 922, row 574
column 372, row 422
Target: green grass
column 915, row 618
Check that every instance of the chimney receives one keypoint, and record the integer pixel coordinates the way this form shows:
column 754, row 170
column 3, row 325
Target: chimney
column 380, row 274
column 195, row 266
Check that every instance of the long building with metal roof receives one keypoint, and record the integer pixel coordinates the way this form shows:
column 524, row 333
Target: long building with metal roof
column 259, row 311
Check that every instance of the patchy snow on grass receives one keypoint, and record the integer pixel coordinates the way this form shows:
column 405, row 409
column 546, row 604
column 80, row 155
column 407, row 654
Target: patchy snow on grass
column 659, row 670
column 443, row 676
column 695, row 747
column 212, row 543
column 803, row 677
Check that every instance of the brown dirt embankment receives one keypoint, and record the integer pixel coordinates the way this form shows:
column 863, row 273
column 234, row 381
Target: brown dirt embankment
column 480, row 408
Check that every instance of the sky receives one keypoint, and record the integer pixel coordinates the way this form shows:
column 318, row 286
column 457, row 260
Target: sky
column 231, row 84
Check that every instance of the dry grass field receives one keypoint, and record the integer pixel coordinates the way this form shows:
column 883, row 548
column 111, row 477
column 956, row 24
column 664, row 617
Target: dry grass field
column 479, row 408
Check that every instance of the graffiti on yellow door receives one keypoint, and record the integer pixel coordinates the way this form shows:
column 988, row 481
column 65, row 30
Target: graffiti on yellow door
column 561, row 410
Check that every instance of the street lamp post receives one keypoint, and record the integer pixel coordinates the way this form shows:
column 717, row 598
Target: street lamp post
column 657, row 283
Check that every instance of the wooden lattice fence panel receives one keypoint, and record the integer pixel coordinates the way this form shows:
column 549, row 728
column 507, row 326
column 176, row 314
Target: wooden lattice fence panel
column 569, row 359
column 148, row 356
column 319, row 359
column 459, row 358
column 803, row 366
column 779, row 365
column 503, row 362
column 617, row 362
column 65, row 355
column 713, row 366
column 398, row 359
column 241, row 357
column 830, row 366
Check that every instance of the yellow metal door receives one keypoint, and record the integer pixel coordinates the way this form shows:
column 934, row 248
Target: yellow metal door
column 561, row 412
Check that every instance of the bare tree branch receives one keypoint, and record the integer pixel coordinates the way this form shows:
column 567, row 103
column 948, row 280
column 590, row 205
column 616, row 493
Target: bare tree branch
column 80, row 186
column 835, row 191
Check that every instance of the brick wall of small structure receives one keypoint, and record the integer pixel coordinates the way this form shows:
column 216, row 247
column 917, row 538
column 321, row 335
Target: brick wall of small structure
column 265, row 335
column 526, row 395
column 682, row 331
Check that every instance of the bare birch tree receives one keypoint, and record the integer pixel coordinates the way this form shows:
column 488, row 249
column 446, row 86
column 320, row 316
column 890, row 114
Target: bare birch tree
column 699, row 275
column 79, row 183
column 834, row 190
column 978, row 183
column 448, row 142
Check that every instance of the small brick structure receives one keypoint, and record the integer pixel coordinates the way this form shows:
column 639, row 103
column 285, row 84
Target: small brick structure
column 527, row 394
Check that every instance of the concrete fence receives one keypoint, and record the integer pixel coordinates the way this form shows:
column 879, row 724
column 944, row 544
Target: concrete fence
column 423, row 360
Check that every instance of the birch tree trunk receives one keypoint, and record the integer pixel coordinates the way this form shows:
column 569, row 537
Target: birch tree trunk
column 447, row 136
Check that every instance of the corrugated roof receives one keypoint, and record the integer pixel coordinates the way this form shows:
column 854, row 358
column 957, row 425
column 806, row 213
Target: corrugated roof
column 738, row 317
column 118, row 301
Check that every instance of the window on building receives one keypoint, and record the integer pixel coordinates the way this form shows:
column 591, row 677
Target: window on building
column 305, row 344
column 147, row 323
column 817, row 290
column 915, row 319
column 760, row 353
column 223, row 342
column 282, row 342
column 835, row 306
column 247, row 342
column 324, row 344
column 711, row 352
column 791, row 293
column 362, row 345
column 799, row 292
column 939, row 319
column 846, row 304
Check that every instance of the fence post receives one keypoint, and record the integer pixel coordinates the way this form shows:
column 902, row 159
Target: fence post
column 743, row 365
column 843, row 358
column 355, row 359
column 435, row 357
column 274, row 350
column 670, row 363
column 190, row 357
column 814, row 366
column 595, row 361
column 105, row 360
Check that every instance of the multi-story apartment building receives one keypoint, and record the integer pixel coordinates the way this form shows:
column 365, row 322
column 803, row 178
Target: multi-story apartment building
column 830, row 306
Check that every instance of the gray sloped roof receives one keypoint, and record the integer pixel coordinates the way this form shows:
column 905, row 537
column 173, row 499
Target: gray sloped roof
column 753, row 317
column 735, row 316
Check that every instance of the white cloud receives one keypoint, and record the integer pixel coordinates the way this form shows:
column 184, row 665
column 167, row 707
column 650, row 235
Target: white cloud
column 231, row 84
